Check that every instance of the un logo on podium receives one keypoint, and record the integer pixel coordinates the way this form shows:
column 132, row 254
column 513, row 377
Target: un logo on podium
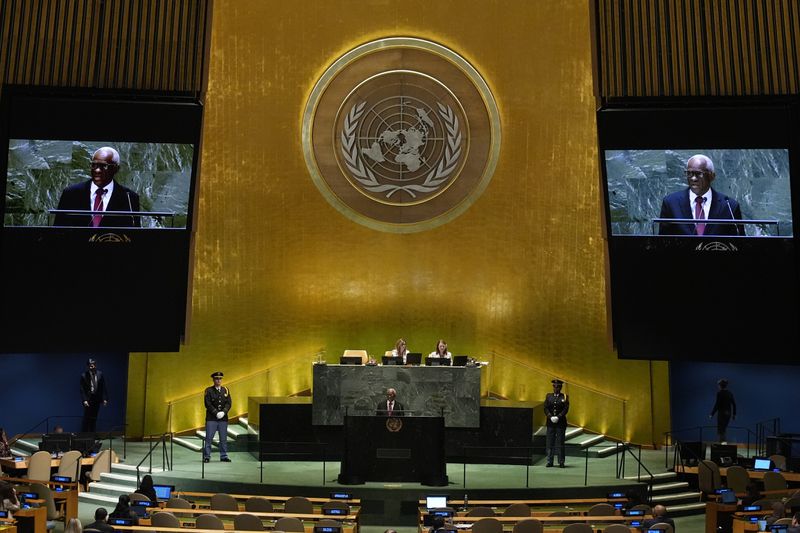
column 401, row 135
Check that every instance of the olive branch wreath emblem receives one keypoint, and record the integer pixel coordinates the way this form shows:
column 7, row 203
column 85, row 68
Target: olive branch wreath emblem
column 366, row 177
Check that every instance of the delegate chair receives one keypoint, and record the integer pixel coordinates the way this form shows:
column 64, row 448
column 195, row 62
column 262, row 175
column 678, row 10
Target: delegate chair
column 223, row 502
column 487, row 525
column 328, row 522
column 774, row 481
column 164, row 519
column 617, row 528
column 208, row 521
column 642, row 507
column 247, row 522
column 601, row 509
column 481, row 511
column 70, row 465
column 39, row 466
column 517, row 509
column 101, row 465
column 708, row 477
column 578, row 528
column 530, row 525
column 179, row 503
column 782, row 521
column 764, row 503
column 289, row 524
column 46, row 494
column 136, row 497
column 357, row 353
column 779, row 461
column 559, row 513
column 737, row 479
column 258, row 504
column 298, row 505
column 334, row 504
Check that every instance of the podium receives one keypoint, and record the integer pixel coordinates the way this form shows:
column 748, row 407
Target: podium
column 384, row 448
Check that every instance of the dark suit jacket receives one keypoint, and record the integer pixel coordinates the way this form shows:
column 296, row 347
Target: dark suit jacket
column 100, row 394
column 660, row 520
column 100, row 526
column 676, row 205
column 380, row 409
column 556, row 405
column 77, row 197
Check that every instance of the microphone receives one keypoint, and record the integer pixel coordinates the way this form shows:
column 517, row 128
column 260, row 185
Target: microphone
column 728, row 203
column 130, row 207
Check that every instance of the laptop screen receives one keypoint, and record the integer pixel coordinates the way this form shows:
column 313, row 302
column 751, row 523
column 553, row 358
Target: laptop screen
column 762, row 463
column 164, row 492
column 435, row 502
column 728, row 496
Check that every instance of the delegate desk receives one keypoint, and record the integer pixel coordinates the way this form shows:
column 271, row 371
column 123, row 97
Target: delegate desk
column 454, row 391
column 33, row 520
column 595, row 522
column 405, row 448
column 10, row 464
column 349, row 522
column 791, row 477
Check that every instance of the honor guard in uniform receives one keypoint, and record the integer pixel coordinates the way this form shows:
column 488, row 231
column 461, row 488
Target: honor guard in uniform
column 556, row 405
column 218, row 402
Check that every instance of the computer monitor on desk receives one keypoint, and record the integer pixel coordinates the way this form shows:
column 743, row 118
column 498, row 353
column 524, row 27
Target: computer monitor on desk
column 56, row 442
column 350, row 360
column 762, row 463
column 164, row 492
column 392, row 360
column 437, row 361
column 413, row 358
column 460, row 360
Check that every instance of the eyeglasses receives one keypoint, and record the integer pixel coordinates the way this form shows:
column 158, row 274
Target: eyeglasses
column 102, row 165
column 695, row 173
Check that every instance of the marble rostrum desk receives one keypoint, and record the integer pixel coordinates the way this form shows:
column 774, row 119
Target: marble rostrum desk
column 449, row 391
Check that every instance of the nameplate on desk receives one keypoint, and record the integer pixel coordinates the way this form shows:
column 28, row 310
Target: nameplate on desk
column 341, row 496
column 327, row 529
column 751, row 508
column 334, row 511
column 61, row 479
column 18, row 459
column 120, row 521
column 635, row 523
column 616, row 495
column 635, row 512
column 3, row 514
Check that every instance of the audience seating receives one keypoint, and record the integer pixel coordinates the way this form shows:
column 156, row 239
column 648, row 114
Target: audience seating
column 529, row 525
column 290, row 524
column 517, row 509
column 258, row 504
column 778, row 460
column 737, row 479
column 601, row 509
column 208, row 521
column 164, row 519
column 329, row 522
column 774, row 481
column 334, row 504
column 46, row 494
column 247, row 522
column 224, row 502
column 39, row 466
column 137, row 497
column 487, row 525
column 101, row 465
column 298, row 505
column 70, row 465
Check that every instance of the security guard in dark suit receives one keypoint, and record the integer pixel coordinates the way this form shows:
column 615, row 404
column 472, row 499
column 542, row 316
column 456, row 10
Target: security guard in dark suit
column 218, row 402
column 556, row 405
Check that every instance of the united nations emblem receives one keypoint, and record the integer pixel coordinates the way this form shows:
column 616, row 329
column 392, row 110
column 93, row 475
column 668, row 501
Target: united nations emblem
column 401, row 134
column 394, row 424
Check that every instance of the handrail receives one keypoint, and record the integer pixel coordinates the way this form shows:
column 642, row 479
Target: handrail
column 621, row 466
column 46, row 422
column 602, row 401
column 166, row 461
column 669, row 439
column 259, row 381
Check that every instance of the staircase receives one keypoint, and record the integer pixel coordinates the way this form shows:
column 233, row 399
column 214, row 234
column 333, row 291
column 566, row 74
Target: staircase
column 239, row 435
column 675, row 495
column 578, row 440
column 106, row 492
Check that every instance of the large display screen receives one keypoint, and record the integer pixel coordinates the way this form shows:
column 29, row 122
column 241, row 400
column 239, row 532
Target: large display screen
column 648, row 190
column 45, row 178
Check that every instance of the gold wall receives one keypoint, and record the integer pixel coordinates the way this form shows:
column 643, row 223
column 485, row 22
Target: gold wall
column 279, row 274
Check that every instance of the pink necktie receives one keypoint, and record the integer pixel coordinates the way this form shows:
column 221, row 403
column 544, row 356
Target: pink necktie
column 391, row 408
column 98, row 206
column 699, row 215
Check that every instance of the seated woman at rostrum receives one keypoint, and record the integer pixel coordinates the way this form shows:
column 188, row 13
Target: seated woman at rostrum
column 441, row 350
column 400, row 350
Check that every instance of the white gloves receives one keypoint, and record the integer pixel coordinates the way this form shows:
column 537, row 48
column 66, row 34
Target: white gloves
column 554, row 419
column 220, row 414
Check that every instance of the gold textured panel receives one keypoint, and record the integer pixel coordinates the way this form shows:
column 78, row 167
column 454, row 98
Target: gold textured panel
column 280, row 274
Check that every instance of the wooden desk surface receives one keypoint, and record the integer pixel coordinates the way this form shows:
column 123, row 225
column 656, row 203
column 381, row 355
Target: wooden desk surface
column 11, row 464
column 345, row 529
column 308, row 517
column 753, row 474
column 489, row 503
column 570, row 518
column 39, row 515
column 208, row 495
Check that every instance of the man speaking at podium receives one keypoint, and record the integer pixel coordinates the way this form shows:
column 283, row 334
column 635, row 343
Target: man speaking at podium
column 100, row 193
column 699, row 201
column 390, row 406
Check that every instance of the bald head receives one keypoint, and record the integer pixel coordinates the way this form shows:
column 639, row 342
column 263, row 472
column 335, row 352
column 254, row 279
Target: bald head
column 659, row 510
